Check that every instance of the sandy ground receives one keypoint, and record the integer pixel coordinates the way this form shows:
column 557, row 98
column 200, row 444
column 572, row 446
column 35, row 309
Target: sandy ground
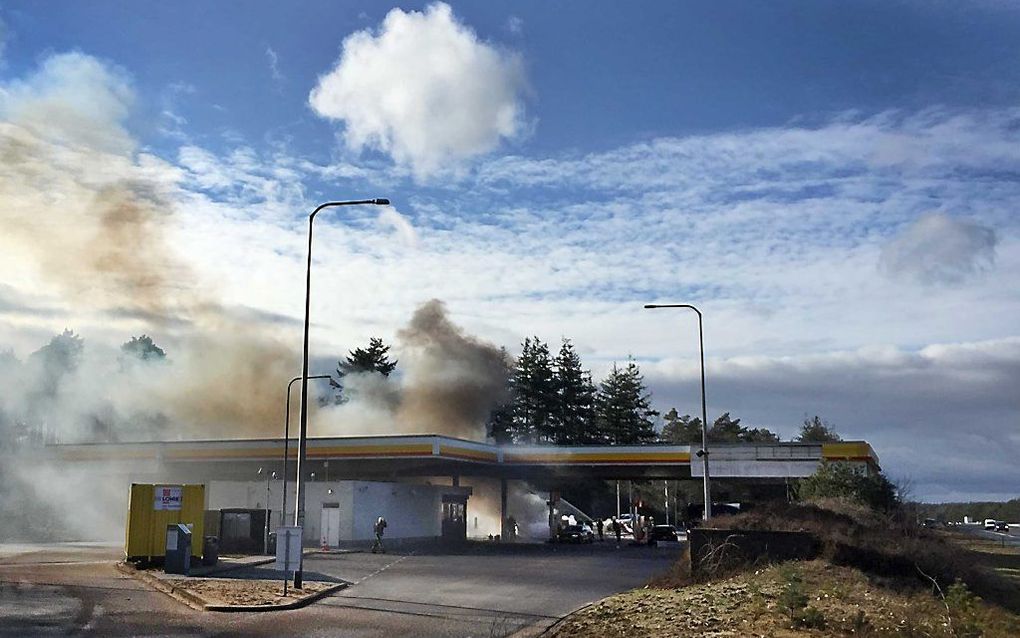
column 231, row 591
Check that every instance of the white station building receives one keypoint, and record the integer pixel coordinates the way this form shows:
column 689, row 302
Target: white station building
column 421, row 484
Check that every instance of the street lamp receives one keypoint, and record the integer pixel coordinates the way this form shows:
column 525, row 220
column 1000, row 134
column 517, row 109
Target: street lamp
column 299, row 511
column 286, row 440
column 703, row 452
column 265, row 537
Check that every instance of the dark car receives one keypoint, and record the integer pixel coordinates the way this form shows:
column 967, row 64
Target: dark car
column 576, row 534
column 663, row 533
column 1001, row 526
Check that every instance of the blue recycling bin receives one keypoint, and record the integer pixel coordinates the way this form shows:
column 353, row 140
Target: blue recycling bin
column 178, row 549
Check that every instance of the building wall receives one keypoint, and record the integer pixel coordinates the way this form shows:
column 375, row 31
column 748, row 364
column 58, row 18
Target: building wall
column 411, row 510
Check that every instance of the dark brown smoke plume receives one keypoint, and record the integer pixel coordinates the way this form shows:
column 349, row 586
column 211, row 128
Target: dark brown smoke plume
column 453, row 380
column 449, row 382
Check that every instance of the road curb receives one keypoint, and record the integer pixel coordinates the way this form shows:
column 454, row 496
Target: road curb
column 297, row 604
column 198, row 603
column 178, row 594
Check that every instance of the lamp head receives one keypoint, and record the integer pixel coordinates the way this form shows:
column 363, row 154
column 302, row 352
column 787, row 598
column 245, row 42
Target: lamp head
column 381, row 201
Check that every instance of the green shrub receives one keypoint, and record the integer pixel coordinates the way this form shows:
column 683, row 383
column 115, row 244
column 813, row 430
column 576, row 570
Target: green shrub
column 810, row 617
column 793, row 599
column 842, row 481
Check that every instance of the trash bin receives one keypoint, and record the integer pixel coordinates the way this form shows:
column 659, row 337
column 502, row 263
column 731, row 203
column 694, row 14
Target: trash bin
column 178, row 549
column 210, row 550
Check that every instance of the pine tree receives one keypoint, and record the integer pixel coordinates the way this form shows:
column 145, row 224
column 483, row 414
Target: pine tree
column 681, row 430
column 534, row 393
column 728, row 430
column 143, row 348
column 725, row 430
column 574, row 415
column 374, row 359
column 500, row 426
column 624, row 408
column 817, row 430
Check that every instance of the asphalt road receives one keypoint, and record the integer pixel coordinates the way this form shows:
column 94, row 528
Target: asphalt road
column 482, row 590
column 1012, row 537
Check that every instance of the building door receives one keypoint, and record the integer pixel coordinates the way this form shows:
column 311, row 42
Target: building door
column 329, row 525
column 454, row 518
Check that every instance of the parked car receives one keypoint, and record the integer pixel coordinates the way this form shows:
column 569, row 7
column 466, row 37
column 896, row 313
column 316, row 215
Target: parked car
column 990, row 524
column 663, row 533
column 1001, row 526
column 576, row 534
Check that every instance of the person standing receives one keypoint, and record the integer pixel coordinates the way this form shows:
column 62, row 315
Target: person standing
column 617, row 529
column 599, row 524
column 379, row 528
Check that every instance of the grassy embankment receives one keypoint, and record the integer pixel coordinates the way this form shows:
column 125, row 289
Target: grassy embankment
column 873, row 577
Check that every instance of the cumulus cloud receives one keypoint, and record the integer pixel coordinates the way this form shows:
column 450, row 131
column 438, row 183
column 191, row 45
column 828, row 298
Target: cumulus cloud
column 939, row 249
column 423, row 89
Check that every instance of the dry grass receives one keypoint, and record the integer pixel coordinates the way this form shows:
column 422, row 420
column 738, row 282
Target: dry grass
column 812, row 598
column 881, row 545
column 877, row 575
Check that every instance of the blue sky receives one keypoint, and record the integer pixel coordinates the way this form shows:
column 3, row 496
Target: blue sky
column 834, row 183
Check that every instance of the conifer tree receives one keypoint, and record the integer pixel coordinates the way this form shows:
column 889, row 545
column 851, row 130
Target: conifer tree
column 574, row 416
column 534, row 393
column 374, row 359
column 624, row 407
column 500, row 426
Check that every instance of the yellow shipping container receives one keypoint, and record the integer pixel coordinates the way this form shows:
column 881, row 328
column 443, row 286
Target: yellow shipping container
column 152, row 507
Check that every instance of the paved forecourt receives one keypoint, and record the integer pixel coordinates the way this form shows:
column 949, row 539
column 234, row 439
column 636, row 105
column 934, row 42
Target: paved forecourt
column 480, row 589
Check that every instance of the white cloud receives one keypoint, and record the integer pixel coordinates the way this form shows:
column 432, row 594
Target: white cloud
column 937, row 248
column 515, row 25
column 274, row 64
column 423, row 89
column 775, row 233
column 389, row 217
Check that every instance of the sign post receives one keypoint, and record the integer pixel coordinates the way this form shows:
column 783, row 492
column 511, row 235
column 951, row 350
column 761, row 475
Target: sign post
column 288, row 552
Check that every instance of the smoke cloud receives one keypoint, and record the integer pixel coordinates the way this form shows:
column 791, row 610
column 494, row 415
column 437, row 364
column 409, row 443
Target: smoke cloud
column 449, row 383
column 87, row 221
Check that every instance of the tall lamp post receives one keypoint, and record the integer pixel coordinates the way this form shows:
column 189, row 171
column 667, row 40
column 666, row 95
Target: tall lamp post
column 286, row 440
column 265, row 537
column 299, row 510
column 703, row 452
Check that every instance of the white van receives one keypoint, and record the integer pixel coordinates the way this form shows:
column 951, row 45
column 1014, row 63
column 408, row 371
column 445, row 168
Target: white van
column 990, row 524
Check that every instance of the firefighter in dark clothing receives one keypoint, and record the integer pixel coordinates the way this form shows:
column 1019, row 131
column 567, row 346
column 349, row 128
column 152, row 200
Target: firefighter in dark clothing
column 379, row 528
